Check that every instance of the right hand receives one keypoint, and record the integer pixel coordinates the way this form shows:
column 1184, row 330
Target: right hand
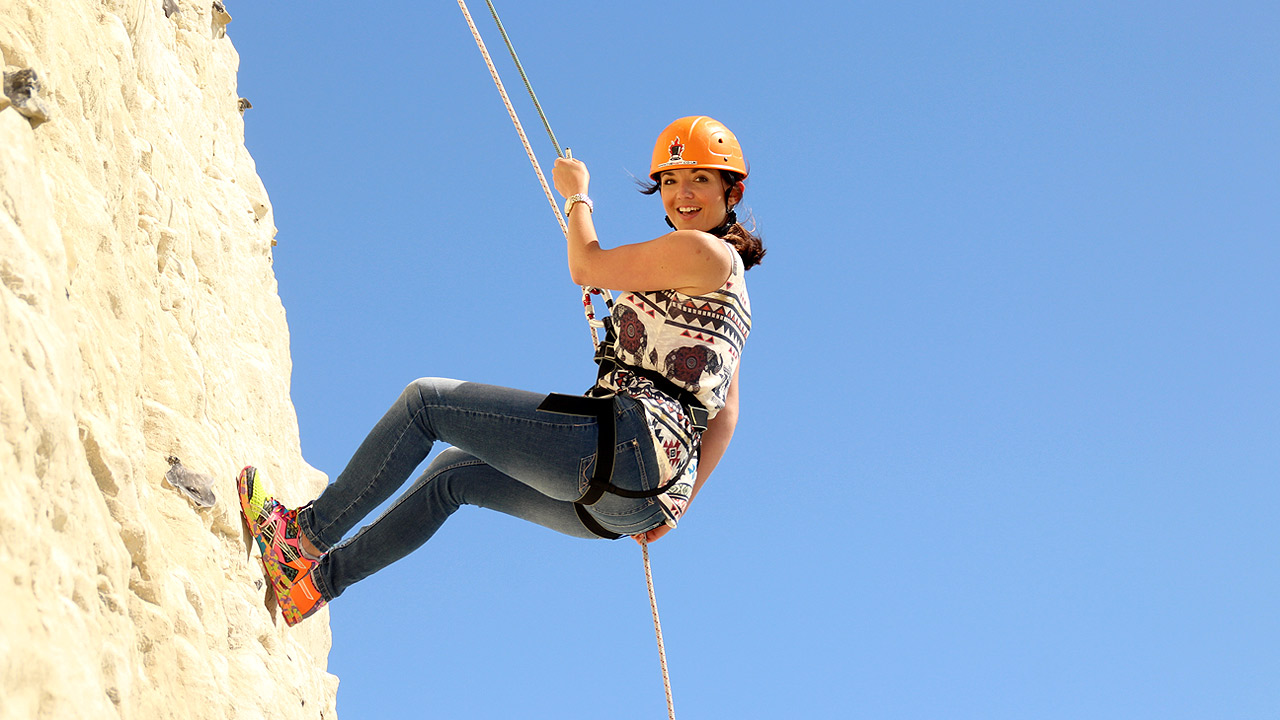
column 570, row 176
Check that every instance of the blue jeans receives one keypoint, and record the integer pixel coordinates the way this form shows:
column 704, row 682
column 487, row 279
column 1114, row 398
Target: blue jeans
column 507, row 456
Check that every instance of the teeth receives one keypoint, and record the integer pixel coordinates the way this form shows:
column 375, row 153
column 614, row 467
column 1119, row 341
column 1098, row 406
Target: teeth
column 687, row 209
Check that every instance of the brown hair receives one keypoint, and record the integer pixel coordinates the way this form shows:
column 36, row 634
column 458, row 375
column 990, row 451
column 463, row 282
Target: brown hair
column 750, row 246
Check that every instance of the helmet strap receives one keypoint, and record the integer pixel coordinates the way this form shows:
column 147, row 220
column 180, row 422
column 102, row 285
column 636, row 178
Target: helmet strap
column 723, row 228
column 730, row 217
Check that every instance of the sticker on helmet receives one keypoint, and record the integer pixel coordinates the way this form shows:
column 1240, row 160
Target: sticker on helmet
column 676, row 150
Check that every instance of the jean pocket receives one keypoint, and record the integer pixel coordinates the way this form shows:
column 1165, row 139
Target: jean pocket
column 632, row 470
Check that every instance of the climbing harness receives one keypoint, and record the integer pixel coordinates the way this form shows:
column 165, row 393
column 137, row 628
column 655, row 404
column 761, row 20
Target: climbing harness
column 607, row 358
column 602, row 408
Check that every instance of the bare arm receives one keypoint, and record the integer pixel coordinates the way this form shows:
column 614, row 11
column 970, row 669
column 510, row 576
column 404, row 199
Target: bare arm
column 715, row 441
column 690, row 261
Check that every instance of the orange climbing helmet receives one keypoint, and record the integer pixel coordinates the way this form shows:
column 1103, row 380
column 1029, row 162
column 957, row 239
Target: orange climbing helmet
column 697, row 142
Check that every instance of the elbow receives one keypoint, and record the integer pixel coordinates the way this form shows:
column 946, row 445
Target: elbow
column 727, row 419
column 580, row 267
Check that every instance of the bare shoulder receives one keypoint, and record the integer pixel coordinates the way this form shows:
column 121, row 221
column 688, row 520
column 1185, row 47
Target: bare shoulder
column 707, row 256
column 698, row 241
column 688, row 261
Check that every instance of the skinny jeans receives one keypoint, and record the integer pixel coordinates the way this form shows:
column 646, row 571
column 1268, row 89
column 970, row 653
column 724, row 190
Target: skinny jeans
column 506, row 455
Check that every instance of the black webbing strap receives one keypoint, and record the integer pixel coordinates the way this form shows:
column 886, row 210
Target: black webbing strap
column 602, row 410
column 600, row 482
column 592, row 524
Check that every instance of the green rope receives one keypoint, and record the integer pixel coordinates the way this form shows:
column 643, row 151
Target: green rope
column 527, row 86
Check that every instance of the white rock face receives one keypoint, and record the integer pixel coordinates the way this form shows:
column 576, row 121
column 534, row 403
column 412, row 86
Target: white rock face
column 139, row 319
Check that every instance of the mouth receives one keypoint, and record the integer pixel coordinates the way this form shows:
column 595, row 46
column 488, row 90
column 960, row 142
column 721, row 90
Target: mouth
column 688, row 211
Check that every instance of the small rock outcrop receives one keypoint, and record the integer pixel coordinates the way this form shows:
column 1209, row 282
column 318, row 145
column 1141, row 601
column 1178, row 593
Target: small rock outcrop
column 139, row 322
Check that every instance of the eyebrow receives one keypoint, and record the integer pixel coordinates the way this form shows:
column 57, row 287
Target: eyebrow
column 671, row 173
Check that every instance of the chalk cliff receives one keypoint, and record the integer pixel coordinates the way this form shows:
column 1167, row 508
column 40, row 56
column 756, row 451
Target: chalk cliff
column 139, row 319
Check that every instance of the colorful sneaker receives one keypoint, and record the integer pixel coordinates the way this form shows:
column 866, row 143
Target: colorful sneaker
column 301, row 600
column 275, row 528
column 280, row 539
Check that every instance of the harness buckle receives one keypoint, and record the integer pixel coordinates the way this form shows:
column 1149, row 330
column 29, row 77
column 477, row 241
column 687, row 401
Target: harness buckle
column 605, row 353
column 698, row 416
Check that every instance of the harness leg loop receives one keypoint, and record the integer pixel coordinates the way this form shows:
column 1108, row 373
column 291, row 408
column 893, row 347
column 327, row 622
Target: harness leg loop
column 601, row 480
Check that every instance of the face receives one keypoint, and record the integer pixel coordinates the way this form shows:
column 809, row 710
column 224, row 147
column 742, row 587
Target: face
column 694, row 198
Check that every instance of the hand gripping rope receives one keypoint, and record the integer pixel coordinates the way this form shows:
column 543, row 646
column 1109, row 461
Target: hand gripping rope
column 587, row 292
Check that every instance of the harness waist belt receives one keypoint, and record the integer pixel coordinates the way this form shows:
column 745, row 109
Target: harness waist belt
column 693, row 407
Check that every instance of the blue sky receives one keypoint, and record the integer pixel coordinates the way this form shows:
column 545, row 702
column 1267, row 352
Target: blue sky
column 1009, row 441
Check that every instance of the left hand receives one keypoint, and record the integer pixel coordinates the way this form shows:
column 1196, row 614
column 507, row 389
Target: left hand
column 570, row 176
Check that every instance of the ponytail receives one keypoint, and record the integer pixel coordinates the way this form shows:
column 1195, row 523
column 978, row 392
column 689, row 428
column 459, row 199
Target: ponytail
column 748, row 244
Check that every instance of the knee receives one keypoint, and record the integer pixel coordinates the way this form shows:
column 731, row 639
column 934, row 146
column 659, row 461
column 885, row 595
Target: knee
column 421, row 386
column 447, row 474
column 425, row 391
column 449, row 458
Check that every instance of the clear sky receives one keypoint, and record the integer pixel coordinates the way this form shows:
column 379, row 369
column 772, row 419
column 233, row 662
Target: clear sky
column 1010, row 433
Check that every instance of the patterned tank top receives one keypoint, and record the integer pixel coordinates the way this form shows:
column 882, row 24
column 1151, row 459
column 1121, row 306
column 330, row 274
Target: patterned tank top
column 694, row 341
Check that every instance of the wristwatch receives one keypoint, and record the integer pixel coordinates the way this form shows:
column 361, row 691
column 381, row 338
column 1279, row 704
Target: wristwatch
column 574, row 200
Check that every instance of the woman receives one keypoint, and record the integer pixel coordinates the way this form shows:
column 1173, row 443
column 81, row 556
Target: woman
column 625, row 460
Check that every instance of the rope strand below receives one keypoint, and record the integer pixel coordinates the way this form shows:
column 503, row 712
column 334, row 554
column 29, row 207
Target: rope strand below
column 657, row 629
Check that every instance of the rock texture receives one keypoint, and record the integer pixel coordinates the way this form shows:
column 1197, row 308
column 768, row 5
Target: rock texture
column 139, row 319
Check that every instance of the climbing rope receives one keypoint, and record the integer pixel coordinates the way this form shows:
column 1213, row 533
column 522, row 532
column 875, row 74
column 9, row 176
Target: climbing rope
column 587, row 292
column 524, row 139
column 657, row 629
column 520, row 67
column 588, row 307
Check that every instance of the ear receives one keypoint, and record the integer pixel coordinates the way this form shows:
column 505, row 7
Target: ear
column 735, row 193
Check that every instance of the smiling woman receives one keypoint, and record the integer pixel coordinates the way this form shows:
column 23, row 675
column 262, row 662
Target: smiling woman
column 625, row 460
column 679, row 332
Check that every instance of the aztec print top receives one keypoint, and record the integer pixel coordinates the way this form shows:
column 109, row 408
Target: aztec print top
column 695, row 341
